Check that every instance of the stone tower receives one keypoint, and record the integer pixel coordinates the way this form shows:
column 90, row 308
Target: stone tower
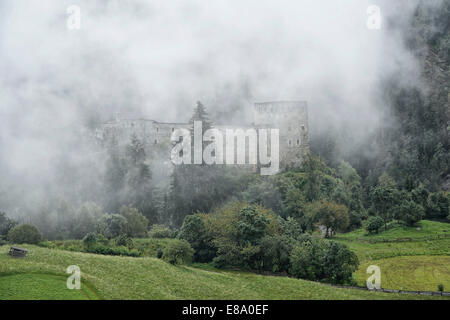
column 291, row 118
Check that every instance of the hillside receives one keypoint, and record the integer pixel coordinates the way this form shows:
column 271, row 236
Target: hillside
column 150, row 278
column 410, row 258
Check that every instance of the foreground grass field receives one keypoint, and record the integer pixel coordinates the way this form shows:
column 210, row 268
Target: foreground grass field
column 150, row 278
column 41, row 287
column 422, row 273
column 410, row 258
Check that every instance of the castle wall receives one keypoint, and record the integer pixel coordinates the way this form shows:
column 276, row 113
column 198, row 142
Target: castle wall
column 290, row 117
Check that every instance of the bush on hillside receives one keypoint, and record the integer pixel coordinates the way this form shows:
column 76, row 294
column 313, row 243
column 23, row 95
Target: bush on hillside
column 374, row 224
column 438, row 205
column 89, row 241
column 323, row 260
column 6, row 224
column 136, row 223
column 114, row 251
column 275, row 253
column 307, row 258
column 24, row 233
column 409, row 212
column 339, row 263
column 160, row 231
column 178, row 252
column 124, row 240
column 112, row 225
column 193, row 231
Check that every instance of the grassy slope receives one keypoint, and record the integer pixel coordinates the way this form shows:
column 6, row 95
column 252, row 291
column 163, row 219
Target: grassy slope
column 150, row 278
column 41, row 287
column 422, row 273
column 420, row 264
column 425, row 229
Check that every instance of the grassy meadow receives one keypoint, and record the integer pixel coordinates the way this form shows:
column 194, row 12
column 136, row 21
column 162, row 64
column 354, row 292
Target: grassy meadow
column 109, row 277
column 410, row 258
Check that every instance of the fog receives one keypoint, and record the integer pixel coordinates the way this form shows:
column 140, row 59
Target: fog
column 155, row 59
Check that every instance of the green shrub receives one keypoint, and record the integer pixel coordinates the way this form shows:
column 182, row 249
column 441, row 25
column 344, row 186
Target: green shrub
column 374, row 224
column 124, row 240
column 323, row 260
column 102, row 239
column 339, row 263
column 24, row 233
column 136, row 225
column 275, row 252
column 409, row 212
column 89, row 241
column 251, row 225
column 228, row 254
column 112, row 225
column 47, row 244
column 441, row 287
column 6, row 224
column 438, row 205
column 194, row 232
column 160, row 231
column 307, row 259
column 178, row 252
column 114, row 251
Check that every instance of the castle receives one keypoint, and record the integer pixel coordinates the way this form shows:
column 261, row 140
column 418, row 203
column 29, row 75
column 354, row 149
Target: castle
column 290, row 117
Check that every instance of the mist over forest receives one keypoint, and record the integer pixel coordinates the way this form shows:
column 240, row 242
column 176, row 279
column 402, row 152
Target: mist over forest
column 377, row 99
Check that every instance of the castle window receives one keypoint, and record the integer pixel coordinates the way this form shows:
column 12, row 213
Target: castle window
column 173, row 129
column 157, row 129
column 298, row 142
column 156, row 141
column 289, row 142
column 303, row 128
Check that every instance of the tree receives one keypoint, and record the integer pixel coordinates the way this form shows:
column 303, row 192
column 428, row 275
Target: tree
column 374, row 224
column 339, row 263
column 265, row 193
column 311, row 166
column 86, row 219
column 178, row 252
column 438, row 205
column 333, row 216
column 194, row 232
column 89, row 241
column 307, row 259
column 111, row 225
column 353, row 193
column 160, row 231
column 251, row 225
column 6, row 224
column 276, row 251
column 128, row 178
column 24, row 233
column 138, row 178
column 200, row 114
column 291, row 228
column 136, row 224
column 409, row 212
column 194, row 188
column 383, row 197
column 295, row 203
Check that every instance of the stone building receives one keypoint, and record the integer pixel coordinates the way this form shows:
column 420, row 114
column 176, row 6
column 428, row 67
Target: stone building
column 290, row 117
